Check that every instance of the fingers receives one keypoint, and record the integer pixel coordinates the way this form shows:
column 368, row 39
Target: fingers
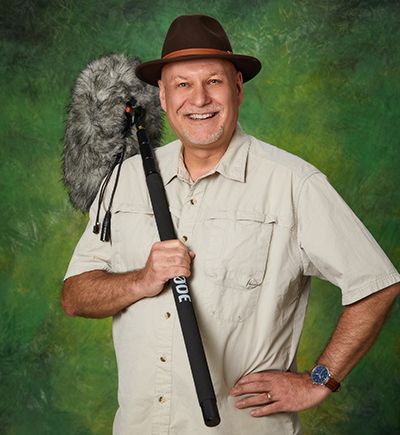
column 254, row 383
column 272, row 392
column 257, row 385
column 170, row 259
column 264, row 403
column 257, row 377
column 257, row 400
column 167, row 260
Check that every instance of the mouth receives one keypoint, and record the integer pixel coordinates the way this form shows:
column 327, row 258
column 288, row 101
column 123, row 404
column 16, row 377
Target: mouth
column 197, row 116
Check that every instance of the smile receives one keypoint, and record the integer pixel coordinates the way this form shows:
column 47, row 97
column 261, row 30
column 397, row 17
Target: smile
column 201, row 115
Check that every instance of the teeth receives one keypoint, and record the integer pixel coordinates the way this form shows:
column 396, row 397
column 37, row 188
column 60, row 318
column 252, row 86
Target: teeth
column 201, row 116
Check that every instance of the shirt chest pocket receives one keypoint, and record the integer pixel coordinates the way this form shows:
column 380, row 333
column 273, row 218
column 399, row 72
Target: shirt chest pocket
column 237, row 253
column 133, row 233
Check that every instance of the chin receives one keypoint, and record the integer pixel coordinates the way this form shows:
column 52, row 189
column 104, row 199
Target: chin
column 204, row 139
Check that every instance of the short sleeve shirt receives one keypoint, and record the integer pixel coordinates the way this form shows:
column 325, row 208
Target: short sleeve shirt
column 261, row 223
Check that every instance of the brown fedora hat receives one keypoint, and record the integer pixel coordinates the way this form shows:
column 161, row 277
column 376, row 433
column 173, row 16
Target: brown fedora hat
column 196, row 37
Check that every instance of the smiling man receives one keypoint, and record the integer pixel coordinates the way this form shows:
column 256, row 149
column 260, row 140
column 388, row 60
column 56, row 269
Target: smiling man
column 254, row 224
column 202, row 98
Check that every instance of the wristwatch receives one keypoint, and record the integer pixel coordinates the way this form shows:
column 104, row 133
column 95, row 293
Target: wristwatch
column 320, row 375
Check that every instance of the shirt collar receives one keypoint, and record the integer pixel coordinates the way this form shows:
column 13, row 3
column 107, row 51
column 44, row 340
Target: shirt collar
column 232, row 164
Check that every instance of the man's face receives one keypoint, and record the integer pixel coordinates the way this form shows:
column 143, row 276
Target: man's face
column 202, row 99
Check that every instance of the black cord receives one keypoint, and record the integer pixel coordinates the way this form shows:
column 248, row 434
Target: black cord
column 96, row 228
column 127, row 131
column 106, row 227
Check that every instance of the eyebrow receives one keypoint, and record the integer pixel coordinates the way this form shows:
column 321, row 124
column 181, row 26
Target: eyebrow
column 182, row 77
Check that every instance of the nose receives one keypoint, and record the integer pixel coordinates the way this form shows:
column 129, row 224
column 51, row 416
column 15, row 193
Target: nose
column 199, row 96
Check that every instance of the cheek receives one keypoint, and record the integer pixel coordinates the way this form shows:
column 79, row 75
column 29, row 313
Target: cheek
column 170, row 103
column 173, row 120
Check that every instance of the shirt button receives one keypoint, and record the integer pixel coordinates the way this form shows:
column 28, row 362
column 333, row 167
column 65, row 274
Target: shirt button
column 167, row 315
column 184, row 239
column 193, row 201
column 163, row 358
column 161, row 399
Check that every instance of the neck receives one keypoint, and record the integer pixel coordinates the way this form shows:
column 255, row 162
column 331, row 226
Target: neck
column 200, row 162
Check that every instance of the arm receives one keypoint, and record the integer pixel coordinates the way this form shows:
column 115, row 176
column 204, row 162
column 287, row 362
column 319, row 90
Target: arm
column 100, row 294
column 357, row 329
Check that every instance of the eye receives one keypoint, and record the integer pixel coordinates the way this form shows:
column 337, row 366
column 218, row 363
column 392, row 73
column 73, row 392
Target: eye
column 214, row 81
column 183, row 85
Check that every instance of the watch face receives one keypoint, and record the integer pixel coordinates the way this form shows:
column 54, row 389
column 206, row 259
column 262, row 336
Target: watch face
column 320, row 375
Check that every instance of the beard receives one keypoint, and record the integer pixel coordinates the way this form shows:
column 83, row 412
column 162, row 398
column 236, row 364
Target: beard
column 207, row 140
column 203, row 136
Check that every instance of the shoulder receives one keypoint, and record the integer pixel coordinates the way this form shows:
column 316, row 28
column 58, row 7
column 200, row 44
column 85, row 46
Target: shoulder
column 162, row 153
column 280, row 160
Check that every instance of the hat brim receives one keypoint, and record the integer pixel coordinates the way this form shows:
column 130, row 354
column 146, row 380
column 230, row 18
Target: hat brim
column 150, row 72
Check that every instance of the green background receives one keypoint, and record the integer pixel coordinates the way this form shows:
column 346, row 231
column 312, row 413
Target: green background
column 328, row 91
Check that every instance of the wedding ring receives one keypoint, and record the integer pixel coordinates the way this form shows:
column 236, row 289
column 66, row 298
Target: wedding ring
column 269, row 397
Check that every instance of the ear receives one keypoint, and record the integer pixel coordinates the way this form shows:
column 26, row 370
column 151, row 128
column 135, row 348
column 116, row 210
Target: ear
column 162, row 95
column 239, row 86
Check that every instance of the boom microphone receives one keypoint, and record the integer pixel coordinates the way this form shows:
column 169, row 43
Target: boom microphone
column 107, row 101
column 180, row 287
column 94, row 134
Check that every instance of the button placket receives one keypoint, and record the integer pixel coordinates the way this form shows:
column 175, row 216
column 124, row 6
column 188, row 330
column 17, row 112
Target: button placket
column 163, row 369
column 190, row 210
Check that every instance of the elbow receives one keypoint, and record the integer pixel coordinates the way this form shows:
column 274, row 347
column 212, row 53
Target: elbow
column 69, row 311
column 67, row 307
column 66, row 302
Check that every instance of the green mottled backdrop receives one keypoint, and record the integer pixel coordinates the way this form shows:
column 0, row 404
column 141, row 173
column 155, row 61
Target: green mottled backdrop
column 328, row 91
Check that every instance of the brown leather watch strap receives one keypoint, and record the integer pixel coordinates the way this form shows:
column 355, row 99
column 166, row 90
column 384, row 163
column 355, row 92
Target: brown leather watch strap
column 333, row 385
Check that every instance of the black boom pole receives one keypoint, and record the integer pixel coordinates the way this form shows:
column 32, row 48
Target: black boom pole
column 180, row 287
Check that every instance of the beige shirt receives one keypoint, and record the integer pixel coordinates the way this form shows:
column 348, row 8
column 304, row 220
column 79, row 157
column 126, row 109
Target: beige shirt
column 261, row 224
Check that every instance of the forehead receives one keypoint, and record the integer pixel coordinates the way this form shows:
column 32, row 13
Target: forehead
column 187, row 68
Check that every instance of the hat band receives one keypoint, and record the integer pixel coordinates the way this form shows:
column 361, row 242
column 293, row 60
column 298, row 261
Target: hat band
column 194, row 52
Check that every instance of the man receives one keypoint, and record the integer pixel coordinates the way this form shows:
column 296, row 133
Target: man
column 254, row 224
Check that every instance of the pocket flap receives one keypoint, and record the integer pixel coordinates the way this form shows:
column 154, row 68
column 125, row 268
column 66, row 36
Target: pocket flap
column 134, row 208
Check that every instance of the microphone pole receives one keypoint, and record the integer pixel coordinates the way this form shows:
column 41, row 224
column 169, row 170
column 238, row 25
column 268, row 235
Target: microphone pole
column 180, row 287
